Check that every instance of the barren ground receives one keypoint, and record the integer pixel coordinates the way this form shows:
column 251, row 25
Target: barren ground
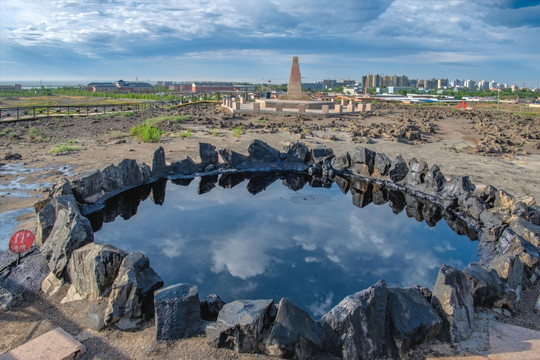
column 500, row 149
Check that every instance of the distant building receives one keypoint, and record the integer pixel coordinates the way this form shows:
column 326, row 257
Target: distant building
column 483, row 85
column 470, row 84
column 120, row 86
column 8, row 88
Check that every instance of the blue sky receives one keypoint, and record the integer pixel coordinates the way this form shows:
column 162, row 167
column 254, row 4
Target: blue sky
column 248, row 40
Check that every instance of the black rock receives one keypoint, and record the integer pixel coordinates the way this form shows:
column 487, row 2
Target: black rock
column 298, row 153
column 240, row 325
column 260, row 150
column 487, row 285
column 177, row 312
column 453, row 298
column 414, row 320
column 359, row 325
column 294, row 334
column 211, row 306
column 398, row 170
column 208, row 154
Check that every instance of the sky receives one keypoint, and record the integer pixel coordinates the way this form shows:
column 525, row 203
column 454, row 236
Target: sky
column 254, row 41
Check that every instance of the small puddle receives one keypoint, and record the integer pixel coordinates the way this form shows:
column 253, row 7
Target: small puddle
column 309, row 243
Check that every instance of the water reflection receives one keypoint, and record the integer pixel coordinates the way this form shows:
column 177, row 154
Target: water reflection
column 310, row 243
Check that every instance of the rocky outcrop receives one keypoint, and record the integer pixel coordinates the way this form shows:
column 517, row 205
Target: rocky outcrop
column 90, row 187
column 132, row 295
column 358, row 325
column 208, row 155
column 260, row 150
column 71, row 231
column 453, row 298
column 177, row 312
column 240, row 325
column 294, row 334
column 414, row 320
column 487, row 286
column 93, row 269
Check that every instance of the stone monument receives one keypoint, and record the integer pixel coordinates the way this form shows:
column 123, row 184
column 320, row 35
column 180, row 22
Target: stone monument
column 294, row 90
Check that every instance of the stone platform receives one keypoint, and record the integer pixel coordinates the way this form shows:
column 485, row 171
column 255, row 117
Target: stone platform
column 56, row 344
column 295, row 106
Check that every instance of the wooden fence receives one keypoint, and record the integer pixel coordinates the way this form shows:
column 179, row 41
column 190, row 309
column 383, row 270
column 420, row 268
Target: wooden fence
column 35, row 112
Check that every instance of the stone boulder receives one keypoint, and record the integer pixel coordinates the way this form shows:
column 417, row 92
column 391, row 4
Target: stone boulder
column 453, row 298
column 294, row 334
column 233, row 159
column 132, row 174
column 382, row 164
column 240, row 325
column 111, row 178
column 358, row 325
column 87, row 186
column 93, row 269
column 319, row 154
column 70, row 232
column 364, row 156
column 459, row 187
column 526, row 230
column 487, row 286
column 341, row 162
column 46, row 218
column 512, row 243
column 259, row 150
column 159, row 166
column 398, row 170
column 434, row 181
column 475, row 206
column 177, row 312
column 297, row 153
column 208, row 155
column 184, row 167
column 493, row 221
column 417, row 173
column 414, row 320
column 132, row 294
column 211, row 306
column 509, row 267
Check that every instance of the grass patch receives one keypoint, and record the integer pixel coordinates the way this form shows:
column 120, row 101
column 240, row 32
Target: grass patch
column 147, row 133
column 5, row 132
column 175, row 119
column 186, row 134
column 128, row 113
column 237, row 131
column 214, row 132
column 35, row 135
column 261, row 121
column 64, row 148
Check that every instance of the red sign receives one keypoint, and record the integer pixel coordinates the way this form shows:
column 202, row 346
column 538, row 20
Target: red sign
column 21, row 241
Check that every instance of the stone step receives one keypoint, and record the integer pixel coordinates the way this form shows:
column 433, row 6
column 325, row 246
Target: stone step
column 56, row 344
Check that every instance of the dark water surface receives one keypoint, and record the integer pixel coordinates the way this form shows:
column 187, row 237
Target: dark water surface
column 313, row 246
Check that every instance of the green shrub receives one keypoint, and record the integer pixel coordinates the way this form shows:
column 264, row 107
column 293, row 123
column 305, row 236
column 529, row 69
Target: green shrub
column 237, row 131
column 147, row 133
column 63, row 149
column 36, row 135
column 128, row 113
column 186, row 134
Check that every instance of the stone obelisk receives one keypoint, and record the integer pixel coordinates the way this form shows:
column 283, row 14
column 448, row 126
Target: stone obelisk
column 294, row 90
